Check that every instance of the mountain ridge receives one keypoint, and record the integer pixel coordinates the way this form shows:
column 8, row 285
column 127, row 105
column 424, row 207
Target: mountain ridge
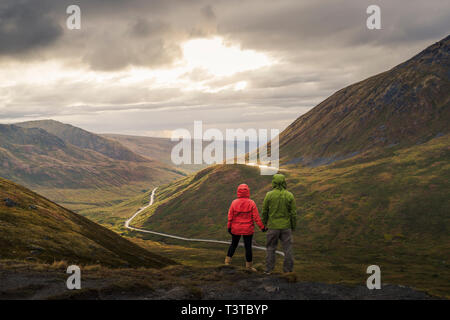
column 32, row 156
column 371, row 113
column 84, row 139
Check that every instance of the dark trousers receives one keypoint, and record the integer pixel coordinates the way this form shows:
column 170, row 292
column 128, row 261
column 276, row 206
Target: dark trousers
column 247, row 244
column 285, row 235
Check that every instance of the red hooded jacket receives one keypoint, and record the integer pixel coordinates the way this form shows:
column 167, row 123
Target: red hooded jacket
column 243, row 213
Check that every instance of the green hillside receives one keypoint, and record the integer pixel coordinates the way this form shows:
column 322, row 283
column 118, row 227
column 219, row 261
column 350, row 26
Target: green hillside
column 400, row 183
column 33, row 228
column 390, row 209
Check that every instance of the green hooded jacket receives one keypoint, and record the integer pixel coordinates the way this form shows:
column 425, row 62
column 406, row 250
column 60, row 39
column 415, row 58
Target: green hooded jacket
column 279, row 209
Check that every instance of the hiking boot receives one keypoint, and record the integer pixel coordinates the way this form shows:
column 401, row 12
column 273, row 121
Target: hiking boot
column 249, row 266
column 227, row 261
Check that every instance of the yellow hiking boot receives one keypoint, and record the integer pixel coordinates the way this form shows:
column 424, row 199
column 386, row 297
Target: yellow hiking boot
column 249, row 266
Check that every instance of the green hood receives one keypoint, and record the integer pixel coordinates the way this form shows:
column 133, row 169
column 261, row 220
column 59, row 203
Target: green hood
column 279, row 182
column 279, row 209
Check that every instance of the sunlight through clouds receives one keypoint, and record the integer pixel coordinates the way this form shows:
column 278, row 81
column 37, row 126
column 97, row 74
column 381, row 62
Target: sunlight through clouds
column 221, row 60
column 210, row 57
column 241, row 85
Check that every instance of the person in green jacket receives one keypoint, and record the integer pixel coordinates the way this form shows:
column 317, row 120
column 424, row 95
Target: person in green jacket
column 280, row 217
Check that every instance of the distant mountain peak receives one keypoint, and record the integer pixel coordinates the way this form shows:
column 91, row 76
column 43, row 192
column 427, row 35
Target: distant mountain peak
column 84, row 139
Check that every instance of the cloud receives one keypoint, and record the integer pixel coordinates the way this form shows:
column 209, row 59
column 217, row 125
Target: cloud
column 25, row 27
column 118, row 34
column 119, row 72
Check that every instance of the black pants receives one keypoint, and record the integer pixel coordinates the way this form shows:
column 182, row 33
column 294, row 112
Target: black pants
column 247, row 244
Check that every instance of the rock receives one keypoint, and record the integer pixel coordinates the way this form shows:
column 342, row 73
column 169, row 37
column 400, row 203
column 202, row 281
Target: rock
column 227, row 269
column 35, row 249
column 271, row 289
column 259, row 267
column 32, row 207
column 177, row 293
column 32, row 259
column 10, row 203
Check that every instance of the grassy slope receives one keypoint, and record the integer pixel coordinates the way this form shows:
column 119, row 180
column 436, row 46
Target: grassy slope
column 387, row 207
column 195, row 203
column 113, row 214
column 38, row 229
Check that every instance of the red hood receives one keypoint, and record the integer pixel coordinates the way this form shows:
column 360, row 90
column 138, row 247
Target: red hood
column 243, row 191
column 243, row 213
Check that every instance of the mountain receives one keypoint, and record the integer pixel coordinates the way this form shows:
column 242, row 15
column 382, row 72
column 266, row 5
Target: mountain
column 37, row 158
column 36, row 229
column 406, row 105
column 361, row 199
column 154, row 148
column 84, row 139
column 80, row 170
column 158, row 149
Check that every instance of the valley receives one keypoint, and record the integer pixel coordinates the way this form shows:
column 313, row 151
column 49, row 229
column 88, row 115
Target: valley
column 362, row 197
column 369, row 168
column 391, row 209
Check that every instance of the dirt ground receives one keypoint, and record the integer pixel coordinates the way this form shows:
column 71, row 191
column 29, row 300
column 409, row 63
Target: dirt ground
column 28, row 281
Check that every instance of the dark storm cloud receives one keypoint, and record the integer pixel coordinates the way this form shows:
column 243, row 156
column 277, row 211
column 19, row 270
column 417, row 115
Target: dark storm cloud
column 142, row 27
column 116, row 34
column 208, row 12
column 293, row 25
column 25, row 26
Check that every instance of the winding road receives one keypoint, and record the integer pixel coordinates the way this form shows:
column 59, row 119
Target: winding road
column 152, row 198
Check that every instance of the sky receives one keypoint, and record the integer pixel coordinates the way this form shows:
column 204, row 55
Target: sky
column 149, row 67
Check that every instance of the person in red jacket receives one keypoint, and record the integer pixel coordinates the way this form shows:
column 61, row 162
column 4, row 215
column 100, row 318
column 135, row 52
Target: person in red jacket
column 242, row 216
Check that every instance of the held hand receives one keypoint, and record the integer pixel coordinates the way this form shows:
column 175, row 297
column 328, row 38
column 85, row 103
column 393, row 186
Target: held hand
column 265, row 229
